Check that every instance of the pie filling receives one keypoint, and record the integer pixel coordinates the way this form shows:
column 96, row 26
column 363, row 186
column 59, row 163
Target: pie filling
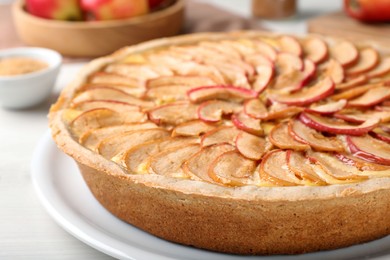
column 238, row 112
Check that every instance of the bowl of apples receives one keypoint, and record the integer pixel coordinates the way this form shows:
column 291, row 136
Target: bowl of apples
column 91, row 28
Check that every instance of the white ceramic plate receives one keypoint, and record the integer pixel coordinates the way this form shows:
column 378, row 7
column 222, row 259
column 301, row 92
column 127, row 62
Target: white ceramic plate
column 68, row 200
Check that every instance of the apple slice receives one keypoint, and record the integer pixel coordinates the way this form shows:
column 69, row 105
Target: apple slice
column 378, row 133
column 263, row 78
column 362, row 165
column 315, row 139
column 138, row 159
column 334, row 167
column 213, row 110
column 368, row 59
column 92, row 137
column 113, row 105
column 327, row 108
column 109, row 93
column 372, row 97
column 232, row 169
column 274, row 169
column 345, row 53
column 113, row 79
column 192, row 128
column 251, row 146
column 301, row 167
column 335, row 71
column 255, row 108
column 259, row 59
column 113, row 146
column 315, row 49
column 359, row 117
column 266, row 50
column 137, row 92
column 286, row 62
column 290, row 45
column 382, row 69
column 248, row 124
column 369, row 149
column 280, row 137
column 166, row 94
column 197, row 167
column 169, row 162
column 190, row 81
column 139, row 71
column 352, row 82
column 354, row 92
column 230, row 93
column 336, row 126
column 320, row 90
column 222, row 134
column 174, row 113
column 99, row 117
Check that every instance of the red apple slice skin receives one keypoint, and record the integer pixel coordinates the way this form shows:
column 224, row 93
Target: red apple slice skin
column 361, row 164
column 379, row 134
column 315, row 49
column 383, row 116
column 368, row 59
column 345, row 53
column 323, row 124
column 248, row 124
column 251, row 146
column 369, row 149
column 321, row 90
column 201, row 94
column 218, row 109
column 264, row 77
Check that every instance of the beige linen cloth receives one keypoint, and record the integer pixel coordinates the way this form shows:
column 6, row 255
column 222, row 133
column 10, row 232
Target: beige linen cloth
column 200, row 17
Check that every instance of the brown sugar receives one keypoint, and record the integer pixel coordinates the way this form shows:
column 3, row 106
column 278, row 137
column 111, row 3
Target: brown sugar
column 20, row 65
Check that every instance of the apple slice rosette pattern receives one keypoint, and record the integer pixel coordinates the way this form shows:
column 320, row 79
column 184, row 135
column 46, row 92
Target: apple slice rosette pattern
column 244, row 143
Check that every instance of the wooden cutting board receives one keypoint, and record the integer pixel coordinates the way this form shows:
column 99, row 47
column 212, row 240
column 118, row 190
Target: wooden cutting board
column 341, row 26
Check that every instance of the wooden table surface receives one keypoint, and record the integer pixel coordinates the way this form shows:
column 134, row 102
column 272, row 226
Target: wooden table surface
column 26, row 230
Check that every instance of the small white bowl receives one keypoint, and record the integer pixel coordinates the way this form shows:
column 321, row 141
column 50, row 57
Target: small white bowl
column 26, row 90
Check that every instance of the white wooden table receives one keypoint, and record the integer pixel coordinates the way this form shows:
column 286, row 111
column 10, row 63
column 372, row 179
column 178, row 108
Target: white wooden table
column 26, row 230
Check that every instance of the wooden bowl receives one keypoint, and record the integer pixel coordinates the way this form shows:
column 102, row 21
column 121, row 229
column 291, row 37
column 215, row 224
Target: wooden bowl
column 97, row 38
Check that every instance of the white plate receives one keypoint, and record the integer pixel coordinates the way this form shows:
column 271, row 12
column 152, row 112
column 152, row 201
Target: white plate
column 68, row 200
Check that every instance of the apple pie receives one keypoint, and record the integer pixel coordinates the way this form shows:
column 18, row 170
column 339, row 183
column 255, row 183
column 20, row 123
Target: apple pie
column 243, row 143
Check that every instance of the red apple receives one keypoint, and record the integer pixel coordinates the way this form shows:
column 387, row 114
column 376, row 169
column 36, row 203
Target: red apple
column 155, row 3
column 114, row 9
column 369, row 149
column 68, row 10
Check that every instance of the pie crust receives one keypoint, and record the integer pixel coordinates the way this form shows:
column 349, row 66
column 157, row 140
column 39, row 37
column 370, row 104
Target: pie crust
column 255, row 216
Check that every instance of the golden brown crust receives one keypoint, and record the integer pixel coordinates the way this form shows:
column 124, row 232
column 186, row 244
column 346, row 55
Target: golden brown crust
column 243, row 220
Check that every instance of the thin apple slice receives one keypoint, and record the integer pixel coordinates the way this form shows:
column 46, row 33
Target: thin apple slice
column 382, row 69
column 319, row 91
column 335, row 168
column 315, row 49
column 280, row 137
column 251, row 146
column 327, row 108
column 166, row 94
column 197, row 167
column 359, row 117
column 345, row 53
column 362, row 165
column 226, row 50
column 255, row 108
column 274, row 169
column 248, row 124
column 232, row 169
column 222, row 134
column 100, row 117
column 354, row 92
column 337, row 126
column 169, row 162
column 290, row 45
column 174, row 113
column 92, row 137
column 372, row 97
column 190, row 81
column 266, row 50
column 301, row 167
column 139, row 71
column 315, row 139
column 378, row 133
column 352, row 82
column 263, row 78
column 113, row 79
column 192, row 128
column 259, row 59
column 335, row 71
column 113, row 105
column 138, row 159
column 109, row 93
column 115, row 145
column 368, row 59
column 230, row 93
column 213, row 110
column 137, row 92
column 286, row 62
column 369, row 149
